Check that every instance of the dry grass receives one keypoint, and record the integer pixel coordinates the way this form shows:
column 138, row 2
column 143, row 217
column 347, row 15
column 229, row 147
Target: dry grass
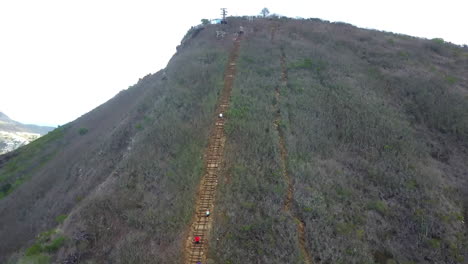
column 375, row 127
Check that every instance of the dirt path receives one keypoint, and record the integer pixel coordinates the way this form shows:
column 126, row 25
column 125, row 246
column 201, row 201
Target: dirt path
column 274, row 28
column 284, row 167
column 201, row 224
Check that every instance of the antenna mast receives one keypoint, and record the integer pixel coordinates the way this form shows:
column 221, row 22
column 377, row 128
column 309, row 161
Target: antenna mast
column 224, row 12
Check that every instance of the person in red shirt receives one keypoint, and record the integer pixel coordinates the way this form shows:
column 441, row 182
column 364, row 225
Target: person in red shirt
column 197, row 239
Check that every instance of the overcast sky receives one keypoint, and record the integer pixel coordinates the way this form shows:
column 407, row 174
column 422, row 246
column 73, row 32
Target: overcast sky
column 60, row 59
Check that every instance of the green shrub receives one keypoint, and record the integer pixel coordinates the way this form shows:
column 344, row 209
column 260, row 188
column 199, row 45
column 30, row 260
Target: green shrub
column 437, row 45
column 82, row 131
column 246, row 228
column 55, row 244
column 403, row 54
column 438, row 40
column 434, row 242
column 43, row 241
column 378, row 206
column 450, row 79
column 303, row 64
column 411, row 184
column 238, row 112
column 5, row 188
column 45, row 236
column 59, row 219
column 360, row 233
column 345, row 228
column 35, row 249
column 205, row 21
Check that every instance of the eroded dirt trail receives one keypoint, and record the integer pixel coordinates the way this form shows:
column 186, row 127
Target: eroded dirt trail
column 201, row 224
column 284, row 167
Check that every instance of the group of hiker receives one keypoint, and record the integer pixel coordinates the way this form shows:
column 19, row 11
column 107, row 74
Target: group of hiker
column 197, row 239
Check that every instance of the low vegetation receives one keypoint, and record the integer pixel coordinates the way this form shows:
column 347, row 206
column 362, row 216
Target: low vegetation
column 25, row 160
column 374, row 124
column 60, row 218
column 367, row 136
column 82, row 131
column 127, row 176
column 375, row 144
column 249, row 220
column 40, row 251
column 150, row 203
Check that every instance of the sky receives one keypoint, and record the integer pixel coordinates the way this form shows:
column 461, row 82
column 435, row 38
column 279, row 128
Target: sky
column 59, row 59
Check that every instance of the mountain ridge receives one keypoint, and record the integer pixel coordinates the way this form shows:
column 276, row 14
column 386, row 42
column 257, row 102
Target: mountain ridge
column 8, row 124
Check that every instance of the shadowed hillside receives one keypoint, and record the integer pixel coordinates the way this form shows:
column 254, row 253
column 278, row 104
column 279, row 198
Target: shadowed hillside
column 343, row 145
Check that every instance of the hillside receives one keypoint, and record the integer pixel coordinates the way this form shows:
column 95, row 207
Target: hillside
column 13, row 134
column 337, row 145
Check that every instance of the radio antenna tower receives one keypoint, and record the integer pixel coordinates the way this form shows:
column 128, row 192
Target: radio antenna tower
column 224, row 13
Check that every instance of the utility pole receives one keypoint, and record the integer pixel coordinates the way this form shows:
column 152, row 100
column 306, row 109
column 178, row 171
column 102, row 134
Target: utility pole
column 224, row 12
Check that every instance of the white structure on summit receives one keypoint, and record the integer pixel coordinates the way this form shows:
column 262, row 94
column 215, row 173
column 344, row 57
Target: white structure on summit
column 220, row 34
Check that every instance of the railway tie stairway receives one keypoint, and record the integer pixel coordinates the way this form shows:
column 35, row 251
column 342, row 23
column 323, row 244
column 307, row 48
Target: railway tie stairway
column 201, row 223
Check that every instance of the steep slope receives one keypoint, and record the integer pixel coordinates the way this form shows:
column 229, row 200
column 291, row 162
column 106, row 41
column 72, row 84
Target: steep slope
column 379, row 148
column 124, row 174
column 195, row 251
column 376, row 134
column 14, row 134
column 343, row 145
